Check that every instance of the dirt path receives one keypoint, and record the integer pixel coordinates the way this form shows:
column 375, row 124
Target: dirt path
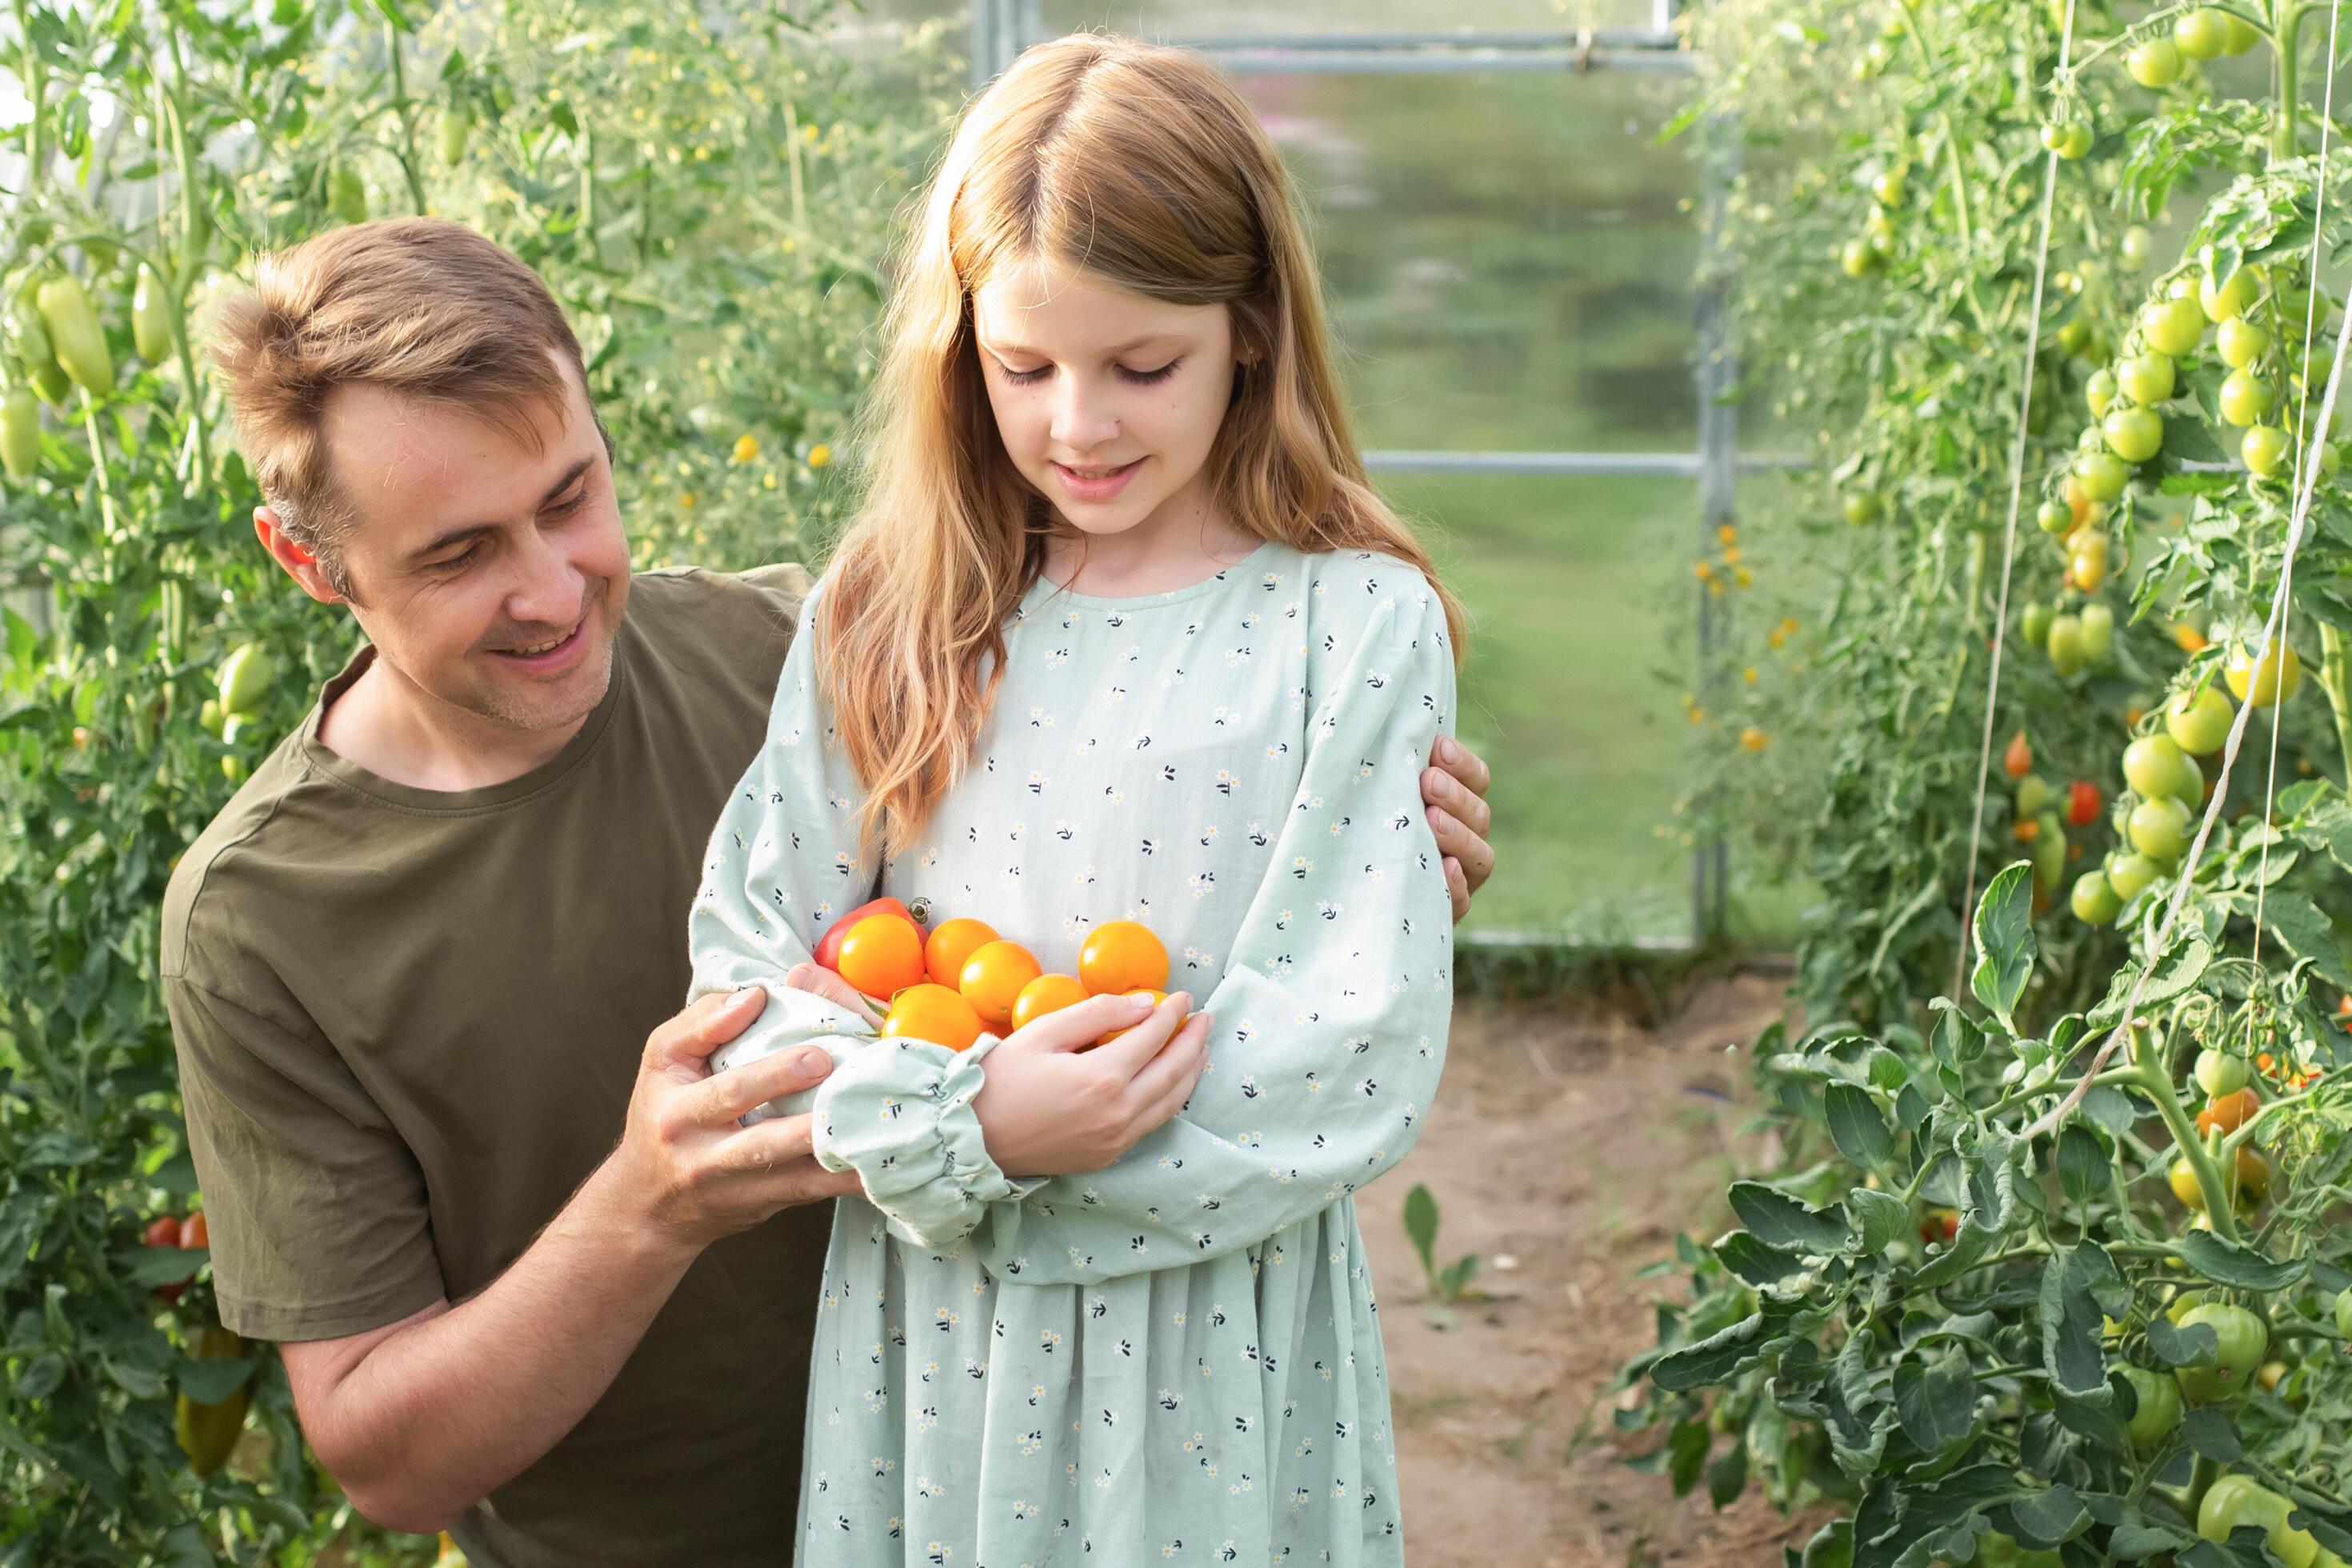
column 1582, row 1176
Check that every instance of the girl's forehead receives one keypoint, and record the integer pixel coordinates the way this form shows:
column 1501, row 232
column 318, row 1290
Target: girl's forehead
column 1044, row 301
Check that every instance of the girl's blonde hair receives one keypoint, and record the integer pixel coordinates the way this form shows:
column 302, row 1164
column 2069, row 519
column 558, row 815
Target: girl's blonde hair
column 1143, row 167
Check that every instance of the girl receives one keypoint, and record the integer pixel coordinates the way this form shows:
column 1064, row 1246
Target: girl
column 1122, row 634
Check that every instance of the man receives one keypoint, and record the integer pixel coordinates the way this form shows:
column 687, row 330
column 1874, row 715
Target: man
column 410, row 964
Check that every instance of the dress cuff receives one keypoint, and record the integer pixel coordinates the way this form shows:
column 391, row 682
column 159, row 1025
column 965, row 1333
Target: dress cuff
column 898, row 1112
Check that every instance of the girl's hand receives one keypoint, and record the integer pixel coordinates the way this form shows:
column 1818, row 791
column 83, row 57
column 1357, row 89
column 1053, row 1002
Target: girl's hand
column 825, row 982
column 1453, row 789
column 1051, row 1107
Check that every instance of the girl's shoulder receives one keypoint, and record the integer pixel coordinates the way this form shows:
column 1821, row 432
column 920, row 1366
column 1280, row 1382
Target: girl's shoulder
column 1353, row 594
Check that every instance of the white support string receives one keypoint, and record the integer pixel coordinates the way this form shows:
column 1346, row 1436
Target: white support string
column 2016, row 501
column 2302, row 404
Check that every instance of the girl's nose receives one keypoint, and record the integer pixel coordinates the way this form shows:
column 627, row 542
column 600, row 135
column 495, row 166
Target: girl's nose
column 1084, row 418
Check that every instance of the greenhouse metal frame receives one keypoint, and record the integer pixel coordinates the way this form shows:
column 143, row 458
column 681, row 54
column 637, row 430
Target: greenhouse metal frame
column 1001, row 29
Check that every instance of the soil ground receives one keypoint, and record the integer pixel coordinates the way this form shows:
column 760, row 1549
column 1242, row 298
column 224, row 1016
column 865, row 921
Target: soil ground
column 1575, row 1143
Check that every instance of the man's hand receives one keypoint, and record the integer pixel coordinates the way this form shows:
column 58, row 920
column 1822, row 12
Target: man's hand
column 1052, row 1106
column 1454, row 788
column 685, row 1163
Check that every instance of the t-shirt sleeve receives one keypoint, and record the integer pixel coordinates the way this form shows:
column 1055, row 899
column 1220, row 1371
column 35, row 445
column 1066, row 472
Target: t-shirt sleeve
column 317, row 1207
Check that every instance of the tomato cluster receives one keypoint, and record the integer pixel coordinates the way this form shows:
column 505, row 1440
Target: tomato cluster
column 961, row 979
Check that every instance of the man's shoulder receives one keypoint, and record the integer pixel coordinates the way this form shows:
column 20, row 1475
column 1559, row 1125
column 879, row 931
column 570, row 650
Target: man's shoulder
column 250, row 829
column 686, row 597
column 709, row 644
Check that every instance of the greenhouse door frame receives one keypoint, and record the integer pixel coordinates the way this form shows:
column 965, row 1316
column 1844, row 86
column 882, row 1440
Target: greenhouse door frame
column 1001, row 29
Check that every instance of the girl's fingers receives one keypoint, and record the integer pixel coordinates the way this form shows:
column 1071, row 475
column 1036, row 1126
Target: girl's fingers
column 1074, row 1027
column 823, row 981
column 1166, row 1082
column 1127, row 1054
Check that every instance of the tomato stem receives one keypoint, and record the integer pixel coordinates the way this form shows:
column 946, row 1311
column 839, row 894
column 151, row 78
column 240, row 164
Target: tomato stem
column 2285, row 43
column 2156, row 1082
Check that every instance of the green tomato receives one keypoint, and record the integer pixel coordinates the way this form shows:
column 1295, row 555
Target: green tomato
column 210, row 718
column 2135, row 434
column 2129, row 875
column 2236, row 1501
column 2098, row 631
column 2057, row 518
column 2201, row 34
column 2246, row 396
column 2094, row 901
column 2224, row 297
column 2242, row 342
column 456, row 122
column 1861, row 508
column 2265, row 449
column 20, row 432
column 1888, row 188
column 2145, row 378
column 2074, row 336
column 2244, row 1340
column 2069, row 139
column 2155, row 64
column 2067, row 645
column 2243, row 35
column 2133, row 248
column 2049, row 854
column 2160, row 829
column 2344, row 1313
column 244, row 678
column 2034, row 626
column 2101, row 475
column 1858, row 258
column 2219, row 1073
column 347, row 194
column 2155, row 766
column 2034, row 796
column 2173, row 327
column 2099, row 391
column 2156, row 1409
column 2199, row 722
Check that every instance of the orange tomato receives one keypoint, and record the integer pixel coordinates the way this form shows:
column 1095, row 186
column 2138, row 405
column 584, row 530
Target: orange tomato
column 1046, row 993
column 196, row 1230
column 1123, row 955
column 882, row 955
column 932, row 1013
column 1157, row 998
column 950, row 945
column 2229, row 1112
column 994, row 977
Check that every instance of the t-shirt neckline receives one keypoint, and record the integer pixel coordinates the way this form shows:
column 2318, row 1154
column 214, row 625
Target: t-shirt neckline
column 460, row 802
column 1044, row 590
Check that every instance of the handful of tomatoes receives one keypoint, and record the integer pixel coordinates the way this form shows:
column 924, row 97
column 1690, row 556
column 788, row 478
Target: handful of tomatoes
column 961, row 978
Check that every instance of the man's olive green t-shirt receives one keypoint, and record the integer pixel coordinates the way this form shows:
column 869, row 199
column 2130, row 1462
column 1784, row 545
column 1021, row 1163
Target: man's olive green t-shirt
column 409, row 1022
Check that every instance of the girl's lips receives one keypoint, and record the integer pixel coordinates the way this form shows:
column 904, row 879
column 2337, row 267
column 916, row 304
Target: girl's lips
column 558, row 657
column 1099, row 489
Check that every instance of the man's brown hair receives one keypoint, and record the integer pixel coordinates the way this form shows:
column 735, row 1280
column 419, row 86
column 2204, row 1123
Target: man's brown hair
column 419, row 306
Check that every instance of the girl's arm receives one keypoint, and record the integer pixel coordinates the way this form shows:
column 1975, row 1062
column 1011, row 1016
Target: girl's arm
column 1330, row 1021
column 783, row 862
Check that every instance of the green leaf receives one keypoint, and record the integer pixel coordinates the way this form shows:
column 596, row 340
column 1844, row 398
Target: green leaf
column 2196, row 1345
column 1686, row 1448
column 2235, row 1263
column 1754, row 1263
column 1421, row 1225
column 1727, row 1476
column 2074, row 1282
column 2046, row 1518
column 2082, row 1164
column 210, row 1382
column 1935, row 1402
column 1722, row 1356
column 2306, row 932
column 153, row 1265
column 2208, row 1433
column 1856, row 1126
column 1779, row 1220
column 2004, row 941
column 1881, row 1218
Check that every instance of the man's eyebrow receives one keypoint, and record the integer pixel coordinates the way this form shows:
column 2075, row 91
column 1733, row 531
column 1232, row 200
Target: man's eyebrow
column 1126, row 348
column 449, row 537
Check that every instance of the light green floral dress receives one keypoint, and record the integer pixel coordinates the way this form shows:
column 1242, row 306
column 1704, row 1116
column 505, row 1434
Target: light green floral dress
column 1176, row 1359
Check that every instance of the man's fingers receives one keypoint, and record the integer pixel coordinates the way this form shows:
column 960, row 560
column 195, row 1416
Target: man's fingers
column 1080, row 1024
column 765, row 1146
column 687, row 1039
column 823, row 981
column 1457, row 838
column 1126, row 1055
column 1463, row 762
column 726, row 1097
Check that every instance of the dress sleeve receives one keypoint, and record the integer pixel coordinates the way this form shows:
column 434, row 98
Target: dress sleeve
column 1332, row 1013
column 783, row 862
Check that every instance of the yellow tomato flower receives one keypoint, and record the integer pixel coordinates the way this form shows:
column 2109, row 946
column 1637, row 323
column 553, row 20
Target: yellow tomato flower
column 820, row 454
column 687, row 501
column 1752, row 738
column 1748, row 674
column 747, row 448
column 1702, row 570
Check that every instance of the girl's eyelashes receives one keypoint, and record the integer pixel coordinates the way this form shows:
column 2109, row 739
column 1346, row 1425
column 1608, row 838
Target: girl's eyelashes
column 1136, row 377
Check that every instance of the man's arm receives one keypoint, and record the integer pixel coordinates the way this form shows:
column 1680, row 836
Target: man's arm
column 421, row 1418
column 1454, row 791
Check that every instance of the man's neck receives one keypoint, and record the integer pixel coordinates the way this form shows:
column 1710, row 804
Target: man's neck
column 397, row 732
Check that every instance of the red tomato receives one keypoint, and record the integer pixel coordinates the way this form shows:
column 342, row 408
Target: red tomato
column 2082, row 802
column 828, row 949
column 2018, row 760
column 163, row 1232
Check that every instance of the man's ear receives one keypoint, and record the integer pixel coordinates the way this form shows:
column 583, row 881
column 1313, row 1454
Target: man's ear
column 300, row 564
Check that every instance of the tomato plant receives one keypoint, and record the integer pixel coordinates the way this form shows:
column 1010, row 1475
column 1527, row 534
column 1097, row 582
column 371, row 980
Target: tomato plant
column 704, row 189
